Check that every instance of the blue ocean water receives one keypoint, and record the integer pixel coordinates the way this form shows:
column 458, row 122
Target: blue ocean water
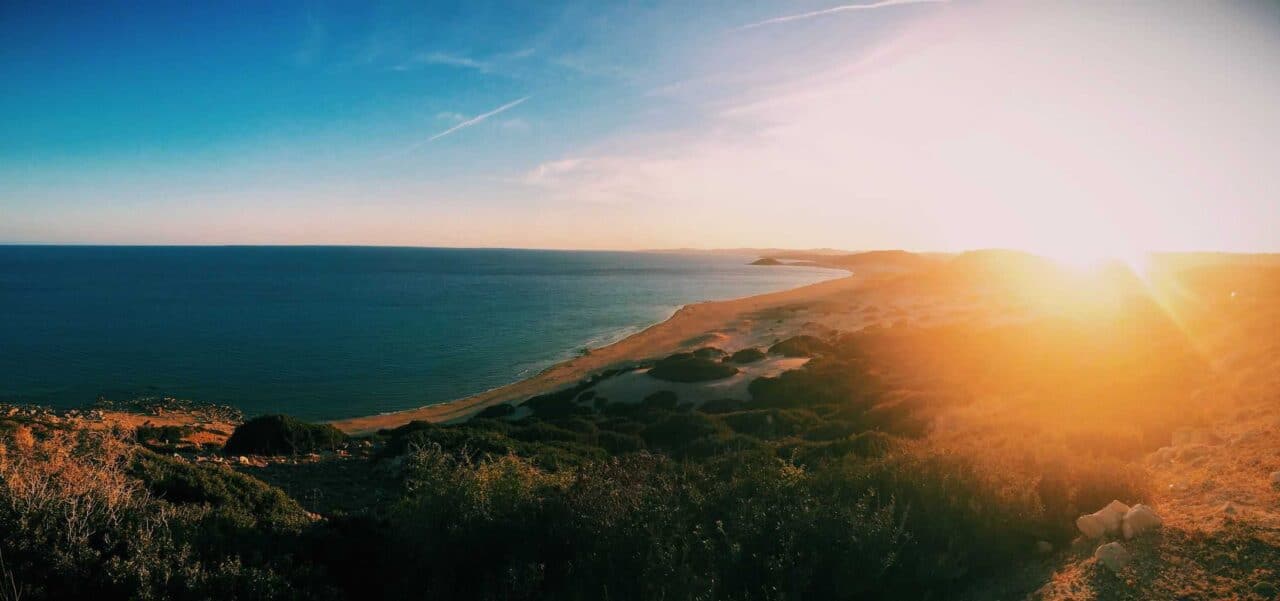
column 329, row 332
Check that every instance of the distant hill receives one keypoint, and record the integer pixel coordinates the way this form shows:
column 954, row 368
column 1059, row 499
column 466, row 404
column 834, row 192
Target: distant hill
column 779, row 253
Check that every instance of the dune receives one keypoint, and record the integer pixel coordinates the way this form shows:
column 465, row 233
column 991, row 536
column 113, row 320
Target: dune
column 690, row 327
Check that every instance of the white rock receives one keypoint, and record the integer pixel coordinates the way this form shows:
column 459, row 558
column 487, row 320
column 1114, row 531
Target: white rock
column 1104, row 521
column 1139, row 519
column 1112, row 555
column 242, row 460
column 1113, row 515
column 1091, row 526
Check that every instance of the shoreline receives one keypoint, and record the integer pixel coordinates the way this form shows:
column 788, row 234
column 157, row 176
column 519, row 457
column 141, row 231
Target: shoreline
column 682, row 329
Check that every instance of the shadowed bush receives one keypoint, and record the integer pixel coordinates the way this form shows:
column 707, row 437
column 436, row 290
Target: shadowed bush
column 685, row 367
column 800, row 346
column 746, row 355
column 497, row 411
column 282, row 435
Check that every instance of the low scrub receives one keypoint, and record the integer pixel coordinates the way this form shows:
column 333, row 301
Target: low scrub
column 686, row 367
column 282, row 435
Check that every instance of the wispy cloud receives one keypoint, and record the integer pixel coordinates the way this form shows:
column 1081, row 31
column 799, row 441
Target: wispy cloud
column 836, row 10
column 444, row 59
column 465, row 124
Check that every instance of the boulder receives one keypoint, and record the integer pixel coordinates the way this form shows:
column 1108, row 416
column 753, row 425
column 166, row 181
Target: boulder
column 1275, row 479
column 242, row 460
column 1139, row 519
column 1229, row 508
column 1112, row 555
column 1104, row 521
column 1090, row 526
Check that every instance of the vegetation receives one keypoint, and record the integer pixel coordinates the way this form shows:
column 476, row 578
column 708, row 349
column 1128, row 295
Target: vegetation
column 281, row 435
column 687, row 367
column 800, row 346
column 822, row 485
column 746, row 355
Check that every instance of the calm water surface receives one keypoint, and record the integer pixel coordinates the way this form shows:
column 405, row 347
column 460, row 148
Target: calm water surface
column 329, row 332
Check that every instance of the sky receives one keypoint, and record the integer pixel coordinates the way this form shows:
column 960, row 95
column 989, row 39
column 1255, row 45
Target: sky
column 917, row 124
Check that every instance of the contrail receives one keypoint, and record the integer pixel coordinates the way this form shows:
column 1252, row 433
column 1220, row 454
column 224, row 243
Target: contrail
column 467, row 123
column 477, row 119
column 836, row 9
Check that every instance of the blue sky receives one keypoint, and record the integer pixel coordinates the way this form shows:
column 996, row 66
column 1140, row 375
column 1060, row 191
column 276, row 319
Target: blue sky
column 621, row 124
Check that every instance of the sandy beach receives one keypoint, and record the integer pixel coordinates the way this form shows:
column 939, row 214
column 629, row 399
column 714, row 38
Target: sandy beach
column 730, row 325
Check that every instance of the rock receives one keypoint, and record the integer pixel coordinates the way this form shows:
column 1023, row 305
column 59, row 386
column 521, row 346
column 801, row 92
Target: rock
column 1112, row 555
column 242, row 460
column 1044, row 547
column 1091, row 526
column 1104, row 521
column 1275, row 480
column 1139, row 519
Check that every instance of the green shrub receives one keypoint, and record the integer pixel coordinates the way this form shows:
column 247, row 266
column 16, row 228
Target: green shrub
column 663, row 399
column 282, row 435
column 821, row 382
column 677, row 430
column 162, row 435
column 746, row 355
column 685, row 367
column 770, row 423
column 540, row 431
column 709, row 352
column 800, row 346
column 618, row 443
column 497, row 411
column 250, row 500
column 721, row 406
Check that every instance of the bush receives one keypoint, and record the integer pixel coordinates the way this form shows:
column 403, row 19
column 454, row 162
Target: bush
column 677, row 430
column 663, row 399
column 770, row 424
column 685, row 367
column 800, row 346
column 242, row 497
column 746, row 355
column 721, row 406
column 618, row 443
column 821, row 382
column 282, row 435
column 539, row 431
column 497, row 411
column 162, row 435
column 709, row 352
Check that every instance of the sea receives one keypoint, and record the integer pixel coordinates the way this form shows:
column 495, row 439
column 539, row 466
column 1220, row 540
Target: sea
column 330, row 332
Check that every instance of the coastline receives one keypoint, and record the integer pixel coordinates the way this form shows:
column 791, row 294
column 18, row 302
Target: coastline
column 682, row 331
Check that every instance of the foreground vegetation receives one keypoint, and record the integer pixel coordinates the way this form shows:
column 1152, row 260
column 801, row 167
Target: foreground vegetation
column 855, row 477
